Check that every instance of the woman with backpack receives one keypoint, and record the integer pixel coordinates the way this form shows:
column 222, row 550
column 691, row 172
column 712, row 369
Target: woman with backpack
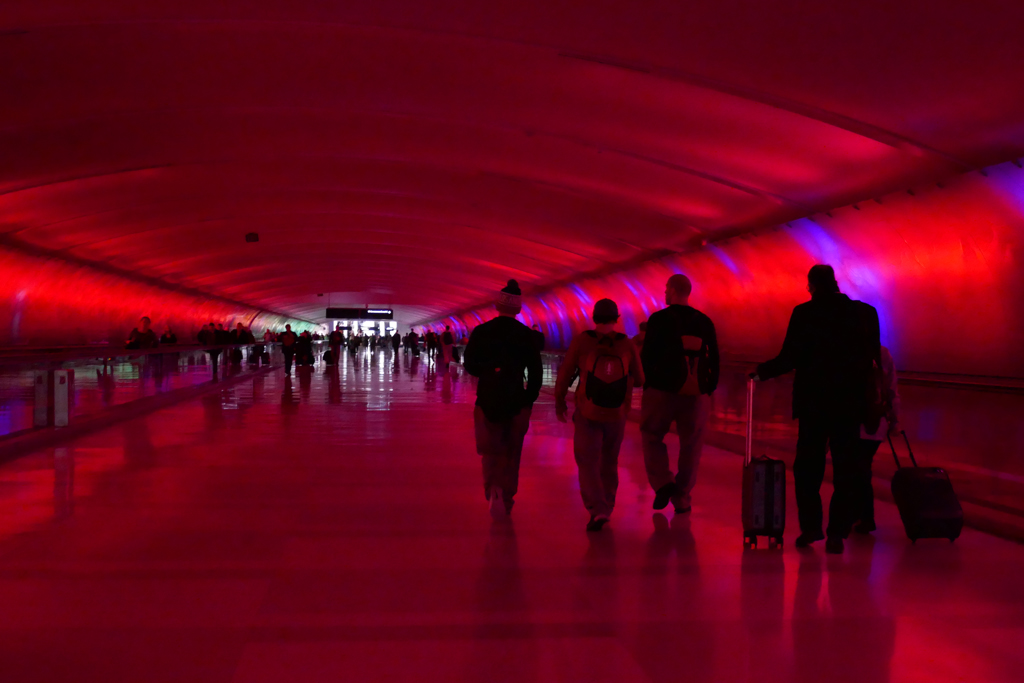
column 608, row 367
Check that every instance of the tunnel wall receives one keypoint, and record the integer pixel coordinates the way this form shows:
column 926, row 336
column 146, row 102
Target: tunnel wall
column 941, row 264
column 55, row 302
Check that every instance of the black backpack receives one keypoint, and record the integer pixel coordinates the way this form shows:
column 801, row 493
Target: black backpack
column 608, row 378
column 696, row 368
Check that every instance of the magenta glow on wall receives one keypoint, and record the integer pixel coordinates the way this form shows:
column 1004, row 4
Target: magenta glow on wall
column 941, row 265
column 52, row 302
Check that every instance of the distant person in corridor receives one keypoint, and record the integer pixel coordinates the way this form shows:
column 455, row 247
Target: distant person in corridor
column 638, row 338
column 447, row 344
column 143, row 336
column 499, row 352
column 608, row 367
column 289, row 340
column 680, row 359
column 168, row 337
column 831, row 343
column 871, row 437
column 336, row 340
column 208, row 337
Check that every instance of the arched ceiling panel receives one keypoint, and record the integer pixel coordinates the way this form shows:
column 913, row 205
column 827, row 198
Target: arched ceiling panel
column 422, row 153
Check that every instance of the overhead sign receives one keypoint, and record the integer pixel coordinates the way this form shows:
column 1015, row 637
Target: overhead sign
column 360, row 313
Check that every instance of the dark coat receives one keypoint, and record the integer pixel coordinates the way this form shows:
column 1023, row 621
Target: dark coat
column 830, row 342
column 662, row 352
column 502, row 352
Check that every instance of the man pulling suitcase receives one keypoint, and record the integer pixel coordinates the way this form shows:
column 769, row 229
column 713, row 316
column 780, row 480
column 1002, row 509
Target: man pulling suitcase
column 831, row 343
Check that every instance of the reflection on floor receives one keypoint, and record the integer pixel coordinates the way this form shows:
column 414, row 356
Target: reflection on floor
column 332, row 527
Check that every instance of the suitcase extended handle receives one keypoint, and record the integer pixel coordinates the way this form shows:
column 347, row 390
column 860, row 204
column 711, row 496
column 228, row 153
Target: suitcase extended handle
column 748, row 451
column 909, row 449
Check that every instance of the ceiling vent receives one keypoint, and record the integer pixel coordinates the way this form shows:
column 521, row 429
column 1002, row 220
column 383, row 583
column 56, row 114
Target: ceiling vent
column 252, row 237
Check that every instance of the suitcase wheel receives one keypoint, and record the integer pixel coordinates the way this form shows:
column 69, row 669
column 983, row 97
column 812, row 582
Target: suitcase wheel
column 774, row 543
column 749, row 542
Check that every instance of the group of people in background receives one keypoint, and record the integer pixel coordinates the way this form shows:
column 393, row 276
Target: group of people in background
column 844, row 397
column 144, row 337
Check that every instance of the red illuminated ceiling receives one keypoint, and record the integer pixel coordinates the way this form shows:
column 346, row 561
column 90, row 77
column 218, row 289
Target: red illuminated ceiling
column 420, row 153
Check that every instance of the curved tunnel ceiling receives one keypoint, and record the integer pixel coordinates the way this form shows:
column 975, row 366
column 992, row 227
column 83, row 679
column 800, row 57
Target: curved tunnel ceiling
column 418, row 156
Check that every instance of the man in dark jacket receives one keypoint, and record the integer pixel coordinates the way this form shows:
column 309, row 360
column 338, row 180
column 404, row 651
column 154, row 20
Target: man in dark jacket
column 430, row 340
column 499, row 352
column 680, row 359
column 447, row 345
column 239, row 336
column 222, row 336
column 208, row 337
column 289, row 340
column 168, row 337
column 336, row 340
column 143, row 336
column 304, row 349
column 830, row 342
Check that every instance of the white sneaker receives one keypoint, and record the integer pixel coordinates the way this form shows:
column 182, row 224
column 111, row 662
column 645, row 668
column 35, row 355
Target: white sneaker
column 497, row 504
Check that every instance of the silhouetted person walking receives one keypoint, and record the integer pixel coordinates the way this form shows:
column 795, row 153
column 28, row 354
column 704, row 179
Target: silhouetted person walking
column 447, row 344
column 414, row 342
column 288, row 340
column 142, row 337
column 208, row 337
column 336, row 341
column 638, row 338
column 240, row 335
column 680, row 357
column 871, row 438
column 608, row 367
column 831, row 342
column 304, row 349
column 500, row 352
column 168, row 337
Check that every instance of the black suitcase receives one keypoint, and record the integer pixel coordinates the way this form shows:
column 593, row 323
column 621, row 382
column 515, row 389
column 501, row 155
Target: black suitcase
column 924, row 495
column 764, row 490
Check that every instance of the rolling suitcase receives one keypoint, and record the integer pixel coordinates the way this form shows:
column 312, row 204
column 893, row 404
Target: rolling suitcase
column 764, row 490
column 924, row 495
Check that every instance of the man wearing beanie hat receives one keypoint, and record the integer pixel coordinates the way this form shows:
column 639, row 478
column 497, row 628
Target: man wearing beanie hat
column 500, row 353
column 609, row 368
column 680, row 357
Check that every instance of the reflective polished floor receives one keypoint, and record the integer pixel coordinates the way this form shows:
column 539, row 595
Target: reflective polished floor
column 331, row 527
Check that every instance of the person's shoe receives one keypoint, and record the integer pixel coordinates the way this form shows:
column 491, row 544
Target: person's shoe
column 683, row 509
column 663, row 495
column 497, row 504
column 865, row 527
column 834, row 545
column 805, row 540
column 596, row 523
